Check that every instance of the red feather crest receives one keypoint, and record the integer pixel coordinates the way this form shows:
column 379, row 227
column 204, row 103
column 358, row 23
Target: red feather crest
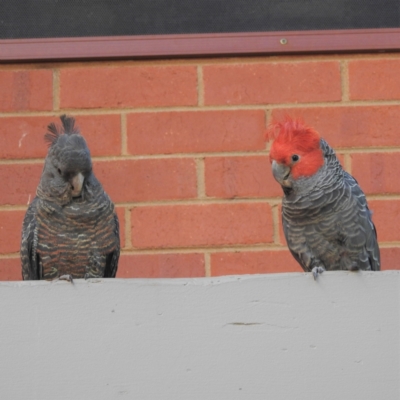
column 291, row 137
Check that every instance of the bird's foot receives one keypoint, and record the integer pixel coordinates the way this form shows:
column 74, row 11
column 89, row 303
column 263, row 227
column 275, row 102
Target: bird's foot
column 317, row 270
column 66, row 277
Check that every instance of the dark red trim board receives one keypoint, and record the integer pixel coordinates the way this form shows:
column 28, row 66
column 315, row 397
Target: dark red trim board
column 199, row 44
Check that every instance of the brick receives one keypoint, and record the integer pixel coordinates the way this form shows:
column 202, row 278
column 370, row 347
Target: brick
column 253, row 262
column 19, row 182
column 390, row 258
column 10, row 269
column 374, row 79
column 357, row 126
column 161, row 266
column 269, row 83
column 23, row 137
column 194, row 132
column 119, row 87
column 149, row 179
column 10, row 231
column 386, row 214
column 248, row 176
column 26, row 90
column 377, row 172
column 201, row 225
column 102, row 133
column 121, row 218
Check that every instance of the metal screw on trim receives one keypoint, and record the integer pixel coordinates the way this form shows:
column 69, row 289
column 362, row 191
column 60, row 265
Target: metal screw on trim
column 283, row 41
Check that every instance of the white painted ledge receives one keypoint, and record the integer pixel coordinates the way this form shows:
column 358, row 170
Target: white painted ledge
column 280, row 336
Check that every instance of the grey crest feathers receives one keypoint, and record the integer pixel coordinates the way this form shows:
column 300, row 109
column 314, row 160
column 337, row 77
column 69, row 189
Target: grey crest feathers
column 68, row 127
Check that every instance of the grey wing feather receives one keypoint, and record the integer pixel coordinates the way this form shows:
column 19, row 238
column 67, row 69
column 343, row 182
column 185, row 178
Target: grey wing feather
column 298, row 246
column 112, row 258
column 344, row 239
column 290, row 245
column 29, row 259
column 370, row 256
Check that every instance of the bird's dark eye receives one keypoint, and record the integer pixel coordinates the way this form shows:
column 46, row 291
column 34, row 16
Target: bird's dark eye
column 59, row 170
column 295, row 158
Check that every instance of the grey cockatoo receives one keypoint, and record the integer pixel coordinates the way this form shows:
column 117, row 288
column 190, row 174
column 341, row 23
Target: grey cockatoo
column 326, row 220
column 71, row 228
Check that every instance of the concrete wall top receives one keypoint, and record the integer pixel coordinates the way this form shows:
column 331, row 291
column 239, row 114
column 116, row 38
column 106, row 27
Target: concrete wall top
column 281, row 336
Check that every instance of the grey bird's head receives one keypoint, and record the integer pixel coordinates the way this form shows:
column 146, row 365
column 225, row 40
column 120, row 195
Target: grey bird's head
column 68, row 165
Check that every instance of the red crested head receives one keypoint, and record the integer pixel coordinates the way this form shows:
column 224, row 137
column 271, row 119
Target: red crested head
column 296, row 147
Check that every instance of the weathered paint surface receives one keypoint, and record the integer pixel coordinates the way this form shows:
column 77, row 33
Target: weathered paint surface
column 278, row 336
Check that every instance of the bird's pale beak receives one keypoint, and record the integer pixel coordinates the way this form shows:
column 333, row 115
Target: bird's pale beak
column 281, row 174
column 76, row 184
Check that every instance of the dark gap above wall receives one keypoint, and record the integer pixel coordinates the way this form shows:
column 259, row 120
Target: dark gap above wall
column 83, row 18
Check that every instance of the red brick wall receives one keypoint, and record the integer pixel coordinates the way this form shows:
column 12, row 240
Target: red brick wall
column 179, row 146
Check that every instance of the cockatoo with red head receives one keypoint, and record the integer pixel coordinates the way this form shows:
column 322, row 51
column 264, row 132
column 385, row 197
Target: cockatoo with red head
column 325, row 215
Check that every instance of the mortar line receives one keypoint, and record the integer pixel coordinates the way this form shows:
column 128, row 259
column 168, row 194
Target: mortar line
column 200, row 175
column 268, row 122
column 268, row 117
column 9, row 255
column 224, row 59
column 200, row 86
column 56, row 89
column 233, row 107
column 16, row 207
column 210, row 250
column 352, row 150
column 128, row 234
column 290, row 59
column 175, row 202
column 394, row 196
column 272, row 201
column 268, row 144
column 207, row 264
column 224, row 249
column 347, row 162
column 344, row 78
column 251, row 153
column 203, row 201
column 215, row 60
column 124, row 135
column 388, row 245
column 261, row 152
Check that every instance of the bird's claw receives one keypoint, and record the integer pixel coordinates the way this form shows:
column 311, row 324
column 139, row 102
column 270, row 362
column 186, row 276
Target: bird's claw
column 66, row 277
column 317, row 270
